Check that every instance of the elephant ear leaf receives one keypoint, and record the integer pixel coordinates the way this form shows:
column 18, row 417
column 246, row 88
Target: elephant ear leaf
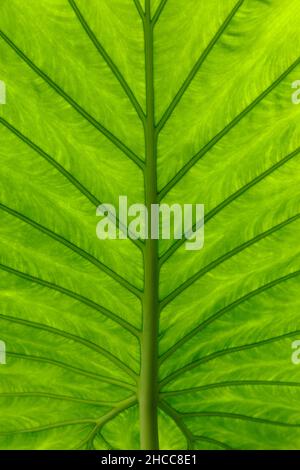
column 164, row 101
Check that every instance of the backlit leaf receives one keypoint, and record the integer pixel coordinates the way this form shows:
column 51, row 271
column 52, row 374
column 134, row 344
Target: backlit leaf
column 127, row 344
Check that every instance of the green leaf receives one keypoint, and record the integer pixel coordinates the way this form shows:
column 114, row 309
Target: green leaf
column 122, row 344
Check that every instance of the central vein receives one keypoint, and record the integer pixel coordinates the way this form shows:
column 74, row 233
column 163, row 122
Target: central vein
column 148, row 391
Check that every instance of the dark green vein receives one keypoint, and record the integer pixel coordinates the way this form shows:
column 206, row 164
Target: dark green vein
column 84, row 254
column 49, row 427
column 125, row 405
column 76, row 339
column 209, row 267
column 196, row 67
column 112, row 138
column 232, row 198
column 231, row 383
column 158, row 12
column 116, row 72
column 50, row 285
column 65, row 173
column 122, row 406
column 139, row 9
column 108, row 445
column 225, row 131
column 172, row 413
column 226, row 309
column 75, row 370
column 219, row 414
column 210, row 440
column 53, row 396
column 190, row 437
column 52, row 162
column 225, row 352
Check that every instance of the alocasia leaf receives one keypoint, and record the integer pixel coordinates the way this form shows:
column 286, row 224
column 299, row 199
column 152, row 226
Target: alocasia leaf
column 122, row 344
